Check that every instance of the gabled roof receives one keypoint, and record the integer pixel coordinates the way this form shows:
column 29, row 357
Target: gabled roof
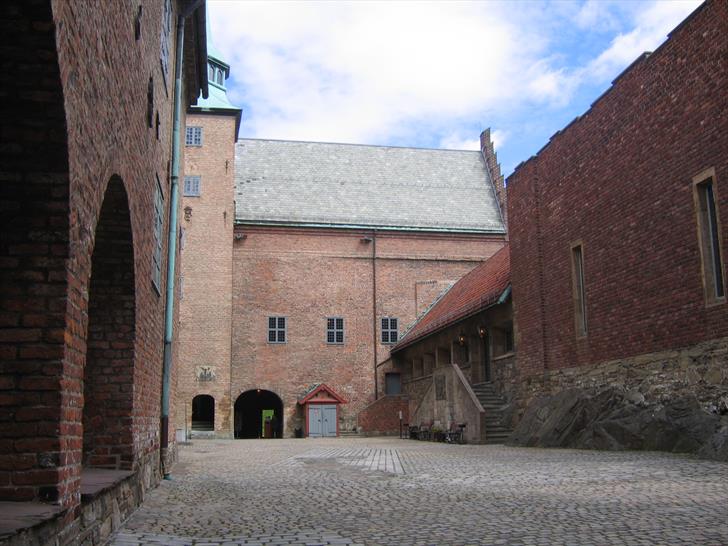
column 486, row 285
column 348, row 185
column 319, row 388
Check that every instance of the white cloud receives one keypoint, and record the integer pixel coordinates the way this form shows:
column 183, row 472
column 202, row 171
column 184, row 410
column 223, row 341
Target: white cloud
column 376, row 72
column 651, row 27
column 366, row 72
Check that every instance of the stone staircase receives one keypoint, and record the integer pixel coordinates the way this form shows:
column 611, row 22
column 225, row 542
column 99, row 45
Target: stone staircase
column 493, row 404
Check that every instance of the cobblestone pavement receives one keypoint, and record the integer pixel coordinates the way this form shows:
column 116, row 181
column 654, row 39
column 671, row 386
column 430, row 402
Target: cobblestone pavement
column 404, row 492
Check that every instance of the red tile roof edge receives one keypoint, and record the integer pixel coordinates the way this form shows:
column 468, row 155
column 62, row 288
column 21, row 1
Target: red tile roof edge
column 491, row 268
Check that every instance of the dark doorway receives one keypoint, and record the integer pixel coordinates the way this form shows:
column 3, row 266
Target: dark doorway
column 250, row 408
column 392, row 383
column 203, row 413
column 109, row 371
column 485, row 358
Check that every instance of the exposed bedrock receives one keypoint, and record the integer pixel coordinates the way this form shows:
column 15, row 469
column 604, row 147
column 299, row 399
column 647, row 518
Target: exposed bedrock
column 615, row 419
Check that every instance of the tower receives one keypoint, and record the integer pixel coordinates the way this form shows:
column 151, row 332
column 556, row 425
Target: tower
column 206, row 241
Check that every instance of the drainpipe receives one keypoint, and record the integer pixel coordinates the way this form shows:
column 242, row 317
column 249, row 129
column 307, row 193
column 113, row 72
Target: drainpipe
column 374, row 312
column 172, row 240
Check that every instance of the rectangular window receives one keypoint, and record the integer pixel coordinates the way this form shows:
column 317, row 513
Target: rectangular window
column 193, row 136
column 709, row 237
column 335, row 330
column 158, row 237
column 276, row 329
column 389, row 330
column 579, row 292
column 192, row 186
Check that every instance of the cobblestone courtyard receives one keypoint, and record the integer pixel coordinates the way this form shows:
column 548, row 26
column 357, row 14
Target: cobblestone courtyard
column 387, row 491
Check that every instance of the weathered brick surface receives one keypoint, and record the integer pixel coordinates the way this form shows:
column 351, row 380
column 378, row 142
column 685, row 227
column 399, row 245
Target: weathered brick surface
column 382, row 415
column 619, row 178
column 78, row 305
column 308, row 275
column 207, row 268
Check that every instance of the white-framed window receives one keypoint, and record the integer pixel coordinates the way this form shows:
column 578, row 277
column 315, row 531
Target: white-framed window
column 192, row 186
column 389, row 330
column 193, row 136
column 158, row 237
column 276, row 329
column 334, row 330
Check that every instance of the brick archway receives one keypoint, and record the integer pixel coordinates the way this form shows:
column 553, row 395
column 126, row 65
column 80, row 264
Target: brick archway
column 34, row 235
column 249, row 408
column 109, row 369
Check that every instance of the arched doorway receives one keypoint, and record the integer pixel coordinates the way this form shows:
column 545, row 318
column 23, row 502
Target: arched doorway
column 252, row 409
column 109, row 371
column 203, row 413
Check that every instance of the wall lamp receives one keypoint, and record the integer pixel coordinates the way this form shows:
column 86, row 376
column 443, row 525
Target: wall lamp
column 482, row 332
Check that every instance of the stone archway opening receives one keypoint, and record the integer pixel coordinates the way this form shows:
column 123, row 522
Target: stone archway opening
column 109, row 371
column 203, row 413
column 258, row 414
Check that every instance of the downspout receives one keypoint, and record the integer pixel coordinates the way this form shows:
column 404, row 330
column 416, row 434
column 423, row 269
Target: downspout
column 172, row 240
column 374, row 312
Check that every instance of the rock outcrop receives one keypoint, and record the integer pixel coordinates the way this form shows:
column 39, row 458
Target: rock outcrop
column 615, row 419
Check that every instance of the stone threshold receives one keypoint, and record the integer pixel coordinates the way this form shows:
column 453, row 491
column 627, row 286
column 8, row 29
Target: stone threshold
column 95, row 481
column 18, row 516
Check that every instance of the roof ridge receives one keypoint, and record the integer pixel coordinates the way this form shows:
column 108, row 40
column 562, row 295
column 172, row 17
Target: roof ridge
column 242, row 139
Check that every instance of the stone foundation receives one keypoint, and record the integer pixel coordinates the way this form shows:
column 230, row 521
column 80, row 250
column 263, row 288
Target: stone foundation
column 102, row 511
column 656, row 380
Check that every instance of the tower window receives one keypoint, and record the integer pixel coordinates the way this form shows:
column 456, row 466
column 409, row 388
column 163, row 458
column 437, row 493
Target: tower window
column 193, row 136
column 192, row 186
column 219, row 76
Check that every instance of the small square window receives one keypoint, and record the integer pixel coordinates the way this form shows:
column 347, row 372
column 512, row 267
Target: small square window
column 335, row 330
column 192, row 186
column 193, row 136
column 276, row 329
column 389, row 330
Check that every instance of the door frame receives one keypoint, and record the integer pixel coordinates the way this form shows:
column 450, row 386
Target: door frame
column 326, row 403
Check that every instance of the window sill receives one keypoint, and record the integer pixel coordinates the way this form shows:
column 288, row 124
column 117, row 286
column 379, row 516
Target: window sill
column 504, row 356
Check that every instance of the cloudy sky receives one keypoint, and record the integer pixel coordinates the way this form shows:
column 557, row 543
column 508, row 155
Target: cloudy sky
column 429, row 74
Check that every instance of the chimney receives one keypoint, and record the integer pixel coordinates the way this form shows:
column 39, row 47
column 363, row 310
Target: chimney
column 491, row 163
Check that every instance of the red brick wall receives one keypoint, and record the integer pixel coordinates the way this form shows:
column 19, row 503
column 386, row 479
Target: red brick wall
column 382, row 416
column 619, row 179
column 308, row 275
column 206, row 268
column 75, row 109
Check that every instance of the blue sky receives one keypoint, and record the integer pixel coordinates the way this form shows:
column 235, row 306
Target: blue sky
column 430, row 74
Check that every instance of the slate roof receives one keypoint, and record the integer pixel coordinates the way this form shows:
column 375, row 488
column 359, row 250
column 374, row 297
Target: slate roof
column 347, row 185
column 479, row 289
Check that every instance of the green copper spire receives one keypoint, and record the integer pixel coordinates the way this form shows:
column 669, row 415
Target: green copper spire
column 217, row 72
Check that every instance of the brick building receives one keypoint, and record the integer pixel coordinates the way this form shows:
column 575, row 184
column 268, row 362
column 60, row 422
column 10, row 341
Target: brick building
column 87, row 127
column 618, row 227
column 454, row 360
column 335, row 248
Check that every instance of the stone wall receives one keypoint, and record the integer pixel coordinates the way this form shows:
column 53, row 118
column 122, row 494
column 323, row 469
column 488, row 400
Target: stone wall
column 699, row 370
